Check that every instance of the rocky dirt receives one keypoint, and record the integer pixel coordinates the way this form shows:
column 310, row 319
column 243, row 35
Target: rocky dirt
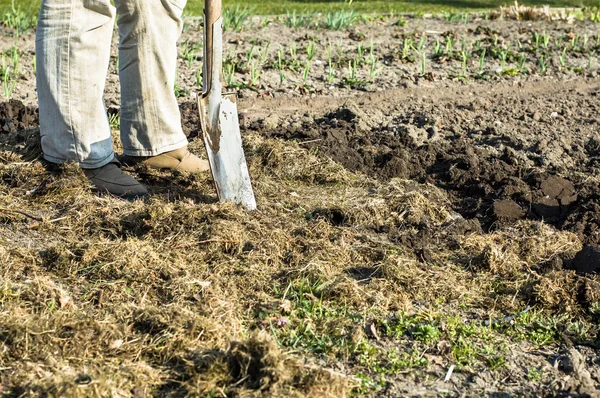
column 490, row 156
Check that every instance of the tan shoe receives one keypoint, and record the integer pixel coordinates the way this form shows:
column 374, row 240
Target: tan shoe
column 180, row 159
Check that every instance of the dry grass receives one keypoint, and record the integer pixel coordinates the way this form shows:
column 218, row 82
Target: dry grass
column 525, row 13
column 174, row 296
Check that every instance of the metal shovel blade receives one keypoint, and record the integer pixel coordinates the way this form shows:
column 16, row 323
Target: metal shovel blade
column 219, row 120
column 225, row 153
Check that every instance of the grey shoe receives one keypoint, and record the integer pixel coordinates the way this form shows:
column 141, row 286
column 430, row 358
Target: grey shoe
column 110, row 178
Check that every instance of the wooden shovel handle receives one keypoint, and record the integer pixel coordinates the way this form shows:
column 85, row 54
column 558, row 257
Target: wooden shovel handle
column 212, row 12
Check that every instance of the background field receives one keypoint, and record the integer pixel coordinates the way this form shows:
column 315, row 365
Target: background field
column 273, row 7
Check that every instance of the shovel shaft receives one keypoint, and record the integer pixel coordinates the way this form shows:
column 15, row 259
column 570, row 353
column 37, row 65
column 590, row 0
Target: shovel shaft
column 212, row 12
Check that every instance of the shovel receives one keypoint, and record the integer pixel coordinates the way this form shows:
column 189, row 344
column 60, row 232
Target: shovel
column 219, row 118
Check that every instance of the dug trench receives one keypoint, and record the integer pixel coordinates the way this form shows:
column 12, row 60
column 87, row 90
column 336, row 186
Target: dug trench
column 502, row 154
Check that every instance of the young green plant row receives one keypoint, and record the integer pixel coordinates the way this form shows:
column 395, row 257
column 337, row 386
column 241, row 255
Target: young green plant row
column 295, row 64
column 10, row 65
column 302, row 65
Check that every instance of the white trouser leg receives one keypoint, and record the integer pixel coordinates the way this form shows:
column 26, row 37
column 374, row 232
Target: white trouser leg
column 148, row 34
column 73, row 51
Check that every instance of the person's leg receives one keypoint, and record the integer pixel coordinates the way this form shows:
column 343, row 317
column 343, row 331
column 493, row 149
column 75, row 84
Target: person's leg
column 73, row 50
column 150, row 117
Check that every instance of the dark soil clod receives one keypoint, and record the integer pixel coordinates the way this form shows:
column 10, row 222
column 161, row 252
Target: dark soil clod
column 587, row 261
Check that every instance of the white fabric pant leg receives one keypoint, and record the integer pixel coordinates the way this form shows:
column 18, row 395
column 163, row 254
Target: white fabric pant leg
column 148, row 34
column 73, row 50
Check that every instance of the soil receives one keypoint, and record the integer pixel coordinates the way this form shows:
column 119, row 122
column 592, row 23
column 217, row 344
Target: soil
column 497, row 162
column 493, row 153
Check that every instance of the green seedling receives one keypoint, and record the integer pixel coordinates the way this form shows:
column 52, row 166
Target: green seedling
column 401, row 21
column 189, row 53
column 375, row 67
column 330, row 68
column 538, row 40
column 311, row 50
column 449, row 47
column 340, row 52
column 496, row 362
column 329, row 52
column 535, row 375
column 407, row 46
column 294, row 20
column 280, row 58
column 481, row 61
column 229, row 70
column 15, row 59
column 352, row 69
column 464, row 59
column 511, row 72
column 590, row 59
column 455, row 17
column 503, row 55
column 250, row 56
column 422, row 43
column 255, row 72
column 294, row 55
column 562, row 57
column 361, row 52
column 463, row 45
column 199, row 79
column 521, row 66
column 235, row 17
column 543, row 65
column 180, row 91
column 330, row 73
column 423, row 64
column 264, row 54
column 545, row 40
column 337, row 20
column 8, row 83
column 18, row 20
column 9, row 71
column 306, row 72
column 280, row 65
column 353, row 80
column 185, row 27
column 114, row 120
column 265, row 22
column 437, row 50
column 426, row 333
column 594, row 15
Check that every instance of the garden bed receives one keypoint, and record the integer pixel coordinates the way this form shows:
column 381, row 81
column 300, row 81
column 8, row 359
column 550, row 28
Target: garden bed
column 428, row 211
